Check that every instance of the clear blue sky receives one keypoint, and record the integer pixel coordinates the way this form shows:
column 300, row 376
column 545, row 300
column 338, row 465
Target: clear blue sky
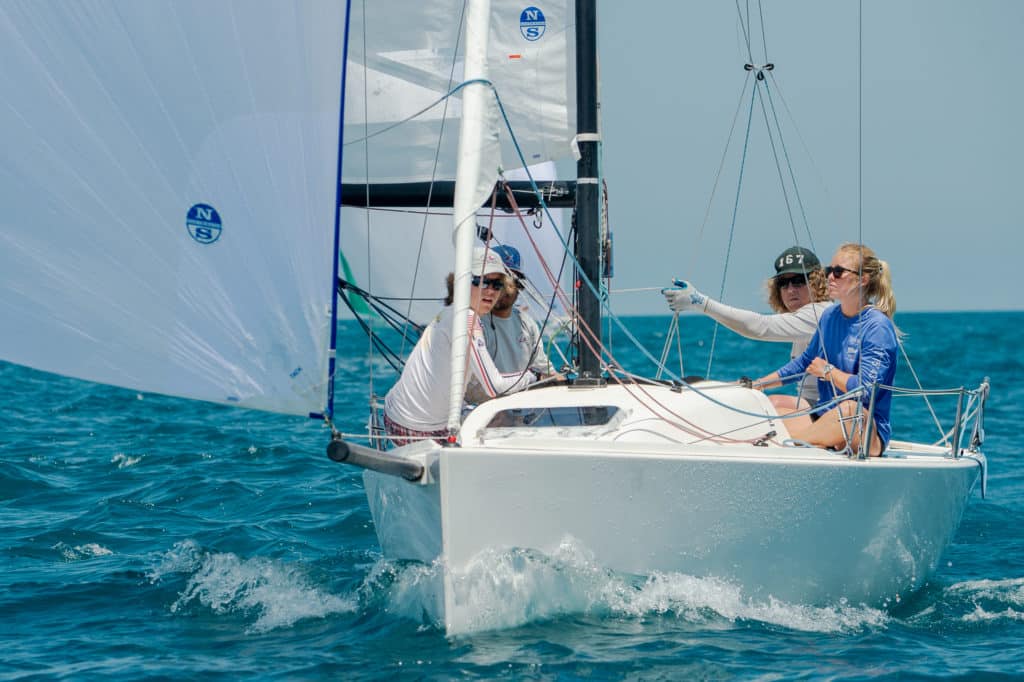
column 942, row 144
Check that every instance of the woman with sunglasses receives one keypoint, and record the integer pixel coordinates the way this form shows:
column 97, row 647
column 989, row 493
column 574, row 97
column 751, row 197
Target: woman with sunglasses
column 797, row 293
column 417, row 405
column 512, row 336
column 854, row 346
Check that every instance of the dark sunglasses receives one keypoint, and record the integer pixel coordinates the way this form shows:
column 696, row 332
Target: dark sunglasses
column 496, row 284
column 837, row 271
column 794, row 281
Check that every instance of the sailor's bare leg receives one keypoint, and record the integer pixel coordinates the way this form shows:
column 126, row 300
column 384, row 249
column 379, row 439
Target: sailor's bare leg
column 833, row 428
column 786, row 404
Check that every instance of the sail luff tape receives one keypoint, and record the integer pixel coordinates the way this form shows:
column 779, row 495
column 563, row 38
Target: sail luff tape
column 586, row 181
column 588, row 137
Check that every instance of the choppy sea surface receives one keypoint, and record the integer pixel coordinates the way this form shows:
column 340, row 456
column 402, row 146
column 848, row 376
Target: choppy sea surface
column 143, row 536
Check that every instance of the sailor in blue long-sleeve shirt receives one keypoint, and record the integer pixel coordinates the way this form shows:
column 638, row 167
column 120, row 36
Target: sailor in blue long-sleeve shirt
column 855, row 345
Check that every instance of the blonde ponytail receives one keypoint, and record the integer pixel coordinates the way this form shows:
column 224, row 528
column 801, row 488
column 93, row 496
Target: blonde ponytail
column 881, row 294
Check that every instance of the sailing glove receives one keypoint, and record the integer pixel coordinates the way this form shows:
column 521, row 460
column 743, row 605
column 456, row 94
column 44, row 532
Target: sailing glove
column 684, row 296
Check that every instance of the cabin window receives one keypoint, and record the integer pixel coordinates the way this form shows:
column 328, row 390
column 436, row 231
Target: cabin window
column 589, row 415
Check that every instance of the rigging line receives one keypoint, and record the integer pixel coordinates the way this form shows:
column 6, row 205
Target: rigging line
column 778, row 129
column 533, row 183
column 789, row 167
column 785, row 151
column 635, row 290
column 673, row 327
column 735, row 212
column 860, row 121
column 775, row 157
column 860, row 162
column 366, row 214
column 412, row 211
column 970, row 413
column 554, row 281
column 568, row 255
column 678, row 421
column 375, row 301
column 845, row 396
column 583, row 330
column 679, row 351
column 910, row 366
column 807, row 152
column 587, row 336
column 433, row 170
column 490, row 232
column 547, row 210
column 548, row 305
column 554, row 224
column 764, row 38
column 743, row 27
column 605, row 235
column 725, row 434
column 424, row 110
column 557, row 292
column 386, row 353
column 675, row 333
column 332, row 353
column 695, row 253
column 694, row 429
column 389, row 315
column 403, row 299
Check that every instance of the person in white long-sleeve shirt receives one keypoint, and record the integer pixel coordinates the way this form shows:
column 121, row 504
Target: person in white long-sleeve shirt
column 417, row 405
column 798, row 293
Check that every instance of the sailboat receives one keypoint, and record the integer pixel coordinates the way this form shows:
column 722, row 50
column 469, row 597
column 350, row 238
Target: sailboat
column 647, row 477
column 173, row 197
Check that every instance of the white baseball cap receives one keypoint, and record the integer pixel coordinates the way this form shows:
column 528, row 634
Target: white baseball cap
column 487, row 262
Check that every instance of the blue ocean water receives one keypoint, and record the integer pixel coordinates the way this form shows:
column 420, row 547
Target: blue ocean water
column 151, row 537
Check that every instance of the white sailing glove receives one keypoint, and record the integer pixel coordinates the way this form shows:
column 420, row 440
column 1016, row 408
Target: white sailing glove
column 684, row 296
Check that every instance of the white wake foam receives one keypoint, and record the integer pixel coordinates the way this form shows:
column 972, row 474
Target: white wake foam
column 124, row 461
column 508, row 589
column 80, row 552
column 992, row 599
column 277, row 593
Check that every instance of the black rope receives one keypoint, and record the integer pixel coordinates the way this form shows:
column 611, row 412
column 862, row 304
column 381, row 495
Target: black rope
column 406, row 328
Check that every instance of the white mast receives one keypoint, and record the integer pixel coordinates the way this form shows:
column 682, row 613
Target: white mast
column 476, row 138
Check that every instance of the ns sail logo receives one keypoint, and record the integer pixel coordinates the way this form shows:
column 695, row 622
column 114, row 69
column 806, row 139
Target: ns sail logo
column 203, row 223
column 532, row 23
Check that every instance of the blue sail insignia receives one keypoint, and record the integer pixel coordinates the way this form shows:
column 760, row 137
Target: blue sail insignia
column 203, row 223
column 532, row 23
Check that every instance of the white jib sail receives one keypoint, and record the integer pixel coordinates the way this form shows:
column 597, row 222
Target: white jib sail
column 169, row 187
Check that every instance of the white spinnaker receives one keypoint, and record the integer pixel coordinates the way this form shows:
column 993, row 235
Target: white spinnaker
column 123, row 119
column 410, row 61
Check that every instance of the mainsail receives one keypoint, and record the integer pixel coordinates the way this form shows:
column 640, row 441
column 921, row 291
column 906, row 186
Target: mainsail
column 169, row 182
column 401, row 127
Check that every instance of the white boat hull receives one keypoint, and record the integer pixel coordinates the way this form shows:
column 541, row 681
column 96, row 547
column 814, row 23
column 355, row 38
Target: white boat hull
column 801, row 525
